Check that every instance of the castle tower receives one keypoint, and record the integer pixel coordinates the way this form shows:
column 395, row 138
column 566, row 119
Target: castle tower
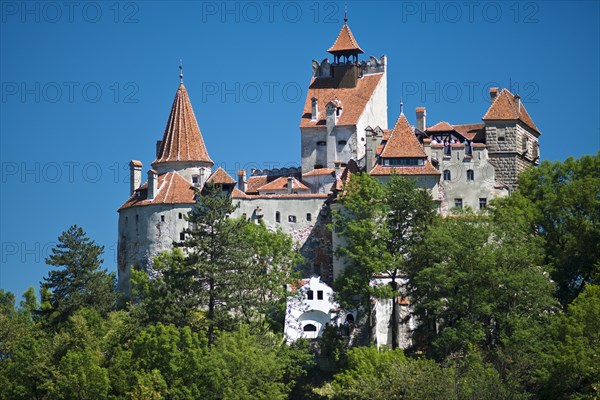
column 153, row 217
column 511, row 136
column 344, row 97
column 182, row 147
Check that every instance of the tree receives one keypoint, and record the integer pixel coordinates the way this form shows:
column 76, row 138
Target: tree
column 226, row 270
column 410, row 211
column 473, row 283
column 566, row 196
column 380, row 225
column 79, row 281
column 357, row 219
column 572, row 357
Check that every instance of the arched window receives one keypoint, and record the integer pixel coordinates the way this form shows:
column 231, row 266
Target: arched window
column 310, row 328
column 447, row 175
column 470, row 175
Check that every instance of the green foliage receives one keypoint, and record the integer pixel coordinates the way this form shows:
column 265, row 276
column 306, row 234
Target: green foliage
column 472, row 282
column 79, row 281
column 231, row 270
column 380, row 224
column 566, row 196
column 573, row 357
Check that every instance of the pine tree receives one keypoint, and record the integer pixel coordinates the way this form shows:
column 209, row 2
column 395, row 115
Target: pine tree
column 79, row 281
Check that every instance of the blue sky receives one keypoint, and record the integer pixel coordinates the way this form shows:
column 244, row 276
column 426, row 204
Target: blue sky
column 87, row 86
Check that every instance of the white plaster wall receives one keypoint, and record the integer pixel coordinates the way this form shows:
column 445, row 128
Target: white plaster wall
column 286, row 205
column 311, row 153
column 143, row 237
column 374, row 114
column 186, row 170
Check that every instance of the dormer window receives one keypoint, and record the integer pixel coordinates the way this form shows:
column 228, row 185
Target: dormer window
column 321, row 143
column 342, row 142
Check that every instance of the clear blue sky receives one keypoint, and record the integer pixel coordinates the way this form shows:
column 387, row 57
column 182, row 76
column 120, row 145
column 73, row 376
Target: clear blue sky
column 87, row 87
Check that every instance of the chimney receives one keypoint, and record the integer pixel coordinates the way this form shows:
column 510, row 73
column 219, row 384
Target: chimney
column 421, row 119
column 135, row 175
column 518, row 101
column 290, row 185
column 158, row 146
column 152, row 184
column 493, row 93
column 242, row 185
column 315, row 109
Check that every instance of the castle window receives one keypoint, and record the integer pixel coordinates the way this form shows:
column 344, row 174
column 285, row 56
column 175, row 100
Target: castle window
column 536, row 150
column 458, row 203
column 525, row 143
column 244, row 216
column 277, row 216
column 291, row 218
column 501, row 136
column 310, row 295
column 342, row 142
column 194, row 179
column 126, row 219
column 321, row 143
column 470, row 175
column 447, row 175
column 181, row 236
column 319, row 295
column 162, row 218
column 482, row 203
column 180, row 216
column 308, row 217
column 318, row 166
column 137, row 217
column 310, row 328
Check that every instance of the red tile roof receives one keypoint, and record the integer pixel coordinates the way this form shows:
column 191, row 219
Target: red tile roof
column 281, row 183
column 135, row 163
column 426, row 169
column 441, row 126
column 319, row 171
column 221, row 177
column 254, row 182
column 354, row 100
column 504, row 107
column 172, row 189
column 402, row 142
column 471, row 131
column 182, row 140
column 345, row 42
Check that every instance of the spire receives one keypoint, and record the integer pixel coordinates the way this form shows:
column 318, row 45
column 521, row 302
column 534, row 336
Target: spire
column 401, row 106
column 182, row 140
column 345, row 12
column 180, row 71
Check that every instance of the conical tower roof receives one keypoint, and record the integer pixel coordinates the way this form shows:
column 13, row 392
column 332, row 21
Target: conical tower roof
column 345, row 43
column 182, row 140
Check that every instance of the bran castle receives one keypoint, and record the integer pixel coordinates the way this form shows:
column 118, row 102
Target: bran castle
column 344, row 130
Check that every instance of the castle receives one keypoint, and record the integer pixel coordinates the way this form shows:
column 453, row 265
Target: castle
column 344, row 130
